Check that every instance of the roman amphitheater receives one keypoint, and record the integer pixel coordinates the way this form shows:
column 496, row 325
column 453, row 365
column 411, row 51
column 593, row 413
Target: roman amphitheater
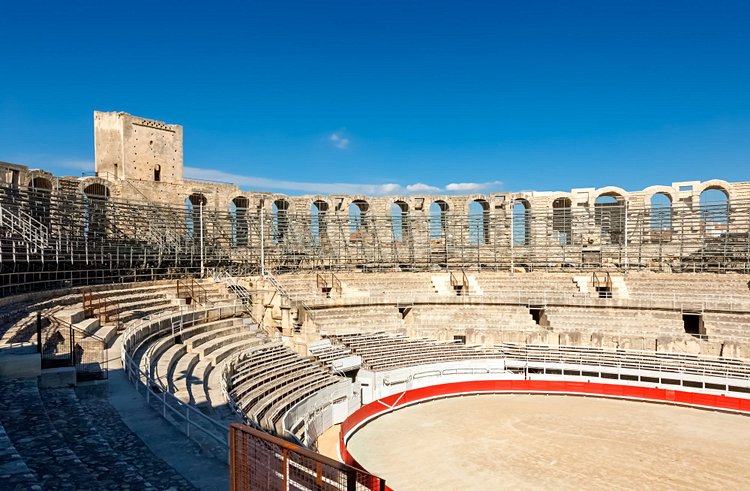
column 159, row 332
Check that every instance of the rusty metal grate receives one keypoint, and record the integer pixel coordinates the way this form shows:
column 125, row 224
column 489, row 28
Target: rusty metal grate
column 261, row 462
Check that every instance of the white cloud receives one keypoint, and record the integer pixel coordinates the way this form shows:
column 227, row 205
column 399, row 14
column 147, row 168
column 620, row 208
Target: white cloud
column 419, row 187
column 339, row 141
column 53, row 162
column 264, row 183
column 472, row 187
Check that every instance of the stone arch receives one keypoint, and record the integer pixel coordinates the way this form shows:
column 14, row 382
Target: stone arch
column 610, row 207
column 479, row 221
column 609, row 191
column 714, row 205
column 521, row 221
column 280, row 220
column 650, row 191
column 318, row 221
column 357, row 211
column 438, row 210
column 660, row 211
column 195, row 205
column 562, row 220
column 400, row 226
column 95, row 198
column 716, row 184
column 238, row 210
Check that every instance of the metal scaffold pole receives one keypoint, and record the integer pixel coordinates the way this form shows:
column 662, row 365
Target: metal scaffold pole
column 203, row 257
column 262, row 238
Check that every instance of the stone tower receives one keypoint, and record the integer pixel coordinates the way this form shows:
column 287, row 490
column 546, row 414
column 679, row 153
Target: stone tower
column 133, row 148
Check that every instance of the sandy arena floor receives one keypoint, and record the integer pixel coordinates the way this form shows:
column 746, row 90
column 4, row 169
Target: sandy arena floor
column 555, row 442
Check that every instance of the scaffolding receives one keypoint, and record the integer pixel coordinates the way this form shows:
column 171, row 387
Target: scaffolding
column 62, row 237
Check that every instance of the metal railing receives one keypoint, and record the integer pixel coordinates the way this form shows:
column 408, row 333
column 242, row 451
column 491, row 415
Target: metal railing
column 673, row 365
column 170, row 406
column 191, row 291
column 285, row 294
column 189, row 418
column 26, row 226
column 62, row 344
column 260, row 461
column 459, row 283
column 103, row 308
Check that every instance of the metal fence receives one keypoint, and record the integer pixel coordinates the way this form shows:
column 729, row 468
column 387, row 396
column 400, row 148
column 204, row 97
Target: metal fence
column 196, row 425
column 62, row 344
column 260, row 462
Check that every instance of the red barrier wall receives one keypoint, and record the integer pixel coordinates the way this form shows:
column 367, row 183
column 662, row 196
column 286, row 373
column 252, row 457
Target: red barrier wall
column 395, row 401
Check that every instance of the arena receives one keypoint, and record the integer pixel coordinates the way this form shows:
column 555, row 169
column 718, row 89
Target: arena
column 140, row 307
column 562, row 442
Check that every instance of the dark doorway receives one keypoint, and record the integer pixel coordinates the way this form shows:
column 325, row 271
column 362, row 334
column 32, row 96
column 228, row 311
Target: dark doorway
column 693, row 324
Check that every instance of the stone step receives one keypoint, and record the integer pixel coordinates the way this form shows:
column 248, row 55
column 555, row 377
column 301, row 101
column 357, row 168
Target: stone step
column 165, row 364
column 81, row 435
column 14, row 472
column 89, row 326
column 38, row 442
column 71, row 315
column 107, row 333
column 182, row 376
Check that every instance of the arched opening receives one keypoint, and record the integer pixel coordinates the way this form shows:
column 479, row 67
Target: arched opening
column 358, row 215
column 479, row 222
column 609, row 216
column 280, row 224
column 318, row 225
column 400, row 220
column 521, row 226
column 238, row 211
column 194, row 209
column 157, row 173
column 40, row 197
column 714, row 211
column 438, row 223
column 95, row 198
column 562, row 221
column 660, row 215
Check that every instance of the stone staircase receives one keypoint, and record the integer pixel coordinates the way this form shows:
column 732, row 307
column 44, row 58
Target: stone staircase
column 54, row 440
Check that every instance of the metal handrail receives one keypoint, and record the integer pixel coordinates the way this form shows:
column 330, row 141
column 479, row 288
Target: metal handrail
column 188, row 288
column 31, row 229
column 192, row 417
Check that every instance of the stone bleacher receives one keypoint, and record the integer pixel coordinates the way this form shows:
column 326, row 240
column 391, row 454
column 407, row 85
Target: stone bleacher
column 476, row 316
column 381, row 351
column 133, row 302
column 358, row 318
column 188, row 362
column 527, row 284
column 266, row 381
column 688, row 286
column 614, row 321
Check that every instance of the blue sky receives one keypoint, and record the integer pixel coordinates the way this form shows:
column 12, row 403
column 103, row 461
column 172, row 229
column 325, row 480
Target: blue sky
column 391, row 96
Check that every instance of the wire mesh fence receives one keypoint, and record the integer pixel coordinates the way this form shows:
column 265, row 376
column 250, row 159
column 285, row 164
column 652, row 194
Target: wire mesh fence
column 261, row 462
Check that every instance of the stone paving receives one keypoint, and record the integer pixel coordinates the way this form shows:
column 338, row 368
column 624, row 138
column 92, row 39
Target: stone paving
column 37, row 441
column 131, row 448
column 14, row 473
column 51, row 439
